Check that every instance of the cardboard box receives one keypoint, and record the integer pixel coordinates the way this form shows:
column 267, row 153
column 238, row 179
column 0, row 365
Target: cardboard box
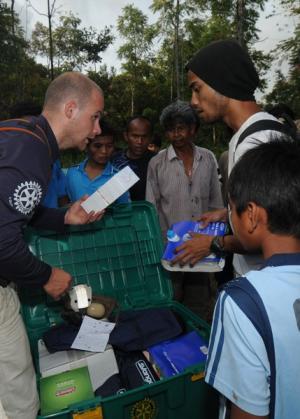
column 59, row 391
column 101, row 365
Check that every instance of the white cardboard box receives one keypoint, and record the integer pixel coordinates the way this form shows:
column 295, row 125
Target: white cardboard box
column 101, row 365
column 111, row 190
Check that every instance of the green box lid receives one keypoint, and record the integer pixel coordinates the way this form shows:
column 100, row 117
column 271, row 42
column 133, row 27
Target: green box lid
column 118, row 256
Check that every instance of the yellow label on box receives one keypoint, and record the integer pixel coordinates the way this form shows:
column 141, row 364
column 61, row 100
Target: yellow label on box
column 89, row 414
column 196, row 377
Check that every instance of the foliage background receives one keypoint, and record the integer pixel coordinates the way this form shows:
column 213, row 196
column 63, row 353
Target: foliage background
column 153, row 57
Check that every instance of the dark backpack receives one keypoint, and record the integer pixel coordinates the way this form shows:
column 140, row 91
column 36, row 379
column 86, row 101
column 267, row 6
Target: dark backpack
column 265, row 125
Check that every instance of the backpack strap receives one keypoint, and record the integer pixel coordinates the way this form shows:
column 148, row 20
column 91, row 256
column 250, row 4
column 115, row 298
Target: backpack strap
column 26, row 126
column 262, row 125
column 249, row 301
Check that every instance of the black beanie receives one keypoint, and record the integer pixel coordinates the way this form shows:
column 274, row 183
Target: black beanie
column 227, row 68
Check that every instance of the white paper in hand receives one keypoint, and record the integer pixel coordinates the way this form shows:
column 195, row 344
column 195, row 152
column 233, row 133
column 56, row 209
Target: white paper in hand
column 111, row 190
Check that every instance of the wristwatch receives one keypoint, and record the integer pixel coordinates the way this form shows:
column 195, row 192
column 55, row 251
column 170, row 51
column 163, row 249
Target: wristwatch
column 217, row 246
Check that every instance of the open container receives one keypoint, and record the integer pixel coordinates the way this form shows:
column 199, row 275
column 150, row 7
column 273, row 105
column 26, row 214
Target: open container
column 120, row 256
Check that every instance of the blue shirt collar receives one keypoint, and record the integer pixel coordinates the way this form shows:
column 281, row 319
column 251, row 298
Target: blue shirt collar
column 281, row 259
column 109, row 169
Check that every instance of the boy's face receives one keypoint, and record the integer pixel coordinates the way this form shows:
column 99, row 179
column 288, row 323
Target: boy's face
column 101, row 149
column 138, row 137
column 180, row 134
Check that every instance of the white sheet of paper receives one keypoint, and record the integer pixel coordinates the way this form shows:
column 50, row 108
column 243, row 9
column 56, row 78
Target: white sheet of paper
column 93, row 335
column 111, row 190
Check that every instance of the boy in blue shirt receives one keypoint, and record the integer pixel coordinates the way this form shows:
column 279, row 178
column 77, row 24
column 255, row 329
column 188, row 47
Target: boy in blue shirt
column 253, row 355
column 96, row 169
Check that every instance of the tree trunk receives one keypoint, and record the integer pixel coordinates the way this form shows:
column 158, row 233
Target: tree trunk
column 240, row 22
column 177, row 51
column 132, row 99
column 12, row 10
column 50, row 41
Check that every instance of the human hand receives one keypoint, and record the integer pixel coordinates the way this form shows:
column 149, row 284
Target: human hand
column 58, row 283
column 77, row 215
column 213, row 216
column 193, row 250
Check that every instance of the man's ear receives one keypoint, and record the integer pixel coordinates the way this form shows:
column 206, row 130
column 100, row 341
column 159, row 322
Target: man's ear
column 256, row 216
column 70, row 109
column 125, row 136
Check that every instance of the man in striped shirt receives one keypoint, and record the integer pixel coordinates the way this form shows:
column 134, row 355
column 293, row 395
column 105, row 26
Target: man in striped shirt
column 182, row 180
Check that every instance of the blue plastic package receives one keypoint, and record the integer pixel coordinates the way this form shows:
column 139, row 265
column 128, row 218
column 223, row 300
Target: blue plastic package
column 179, row 233
column 173, row 356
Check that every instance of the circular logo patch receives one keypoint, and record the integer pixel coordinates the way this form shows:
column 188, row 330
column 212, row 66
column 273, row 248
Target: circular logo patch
column 144, row 409
column 26, row 196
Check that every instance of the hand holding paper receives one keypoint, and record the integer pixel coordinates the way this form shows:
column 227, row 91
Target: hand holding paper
column 111, row 190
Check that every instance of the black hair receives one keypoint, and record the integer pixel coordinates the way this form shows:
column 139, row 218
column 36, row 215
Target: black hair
column 285, row 115
column 156, row 140
column 106, row 131
column 141, row 118
column 280, row 110
column 269, row 175
column 179, row 112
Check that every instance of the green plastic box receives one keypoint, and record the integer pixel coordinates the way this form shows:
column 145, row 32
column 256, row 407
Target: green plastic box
column 120, row 256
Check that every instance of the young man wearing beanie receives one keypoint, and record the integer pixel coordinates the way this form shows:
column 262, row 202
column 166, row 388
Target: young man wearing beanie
column 223, row 80
column 182, row 182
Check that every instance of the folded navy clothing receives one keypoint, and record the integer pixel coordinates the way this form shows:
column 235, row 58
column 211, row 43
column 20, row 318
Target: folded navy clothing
column 60, row 337
column 112, row 386
column 134, row 369
column 138, row 329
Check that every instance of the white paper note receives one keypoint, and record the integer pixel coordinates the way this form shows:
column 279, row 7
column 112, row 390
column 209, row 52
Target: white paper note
column 93, row 335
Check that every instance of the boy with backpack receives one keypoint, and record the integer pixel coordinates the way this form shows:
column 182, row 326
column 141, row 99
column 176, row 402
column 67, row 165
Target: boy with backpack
column 256, row 326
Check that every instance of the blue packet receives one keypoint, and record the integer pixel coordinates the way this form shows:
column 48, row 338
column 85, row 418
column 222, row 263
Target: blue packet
column 173, row 356
column 179, row 233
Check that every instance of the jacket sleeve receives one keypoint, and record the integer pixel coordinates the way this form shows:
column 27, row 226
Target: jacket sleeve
column 18, row 264
column 49, row 219
column 24, row 170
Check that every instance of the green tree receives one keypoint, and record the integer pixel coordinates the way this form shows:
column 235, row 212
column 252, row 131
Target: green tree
column 136, row 51
column 201, row 22
column 171, row 27
column 286, row 89
column 20, row 77
column 73, row 47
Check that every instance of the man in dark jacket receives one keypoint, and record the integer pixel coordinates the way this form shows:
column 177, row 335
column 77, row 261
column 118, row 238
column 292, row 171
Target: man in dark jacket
column 72, row 109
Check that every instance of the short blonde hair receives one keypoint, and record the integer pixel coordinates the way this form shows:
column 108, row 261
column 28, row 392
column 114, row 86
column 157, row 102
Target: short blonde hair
column 68, row 86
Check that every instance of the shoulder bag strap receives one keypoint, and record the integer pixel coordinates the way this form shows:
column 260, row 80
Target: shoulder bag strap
column 262, row 125
column 249, row 301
